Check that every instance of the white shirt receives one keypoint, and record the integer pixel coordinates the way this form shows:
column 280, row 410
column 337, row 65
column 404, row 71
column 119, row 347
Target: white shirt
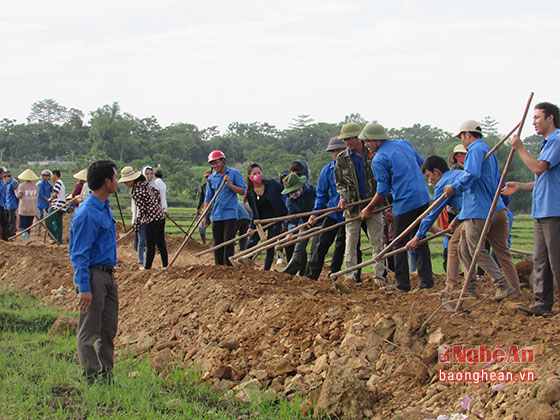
column 60, row 200
column 162, row 188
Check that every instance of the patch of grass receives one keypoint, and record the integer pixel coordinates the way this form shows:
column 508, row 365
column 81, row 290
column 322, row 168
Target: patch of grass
column 40, row 378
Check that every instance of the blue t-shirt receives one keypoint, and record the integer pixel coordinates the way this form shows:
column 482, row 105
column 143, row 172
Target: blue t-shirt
column 2, row 193
column 11, row 201
column 360, row 174
column 225, row 205
column 478, row 183
column 242, row 213
column 45, row 191
column 546, row 192
column 93, row 239
column 327, row 196
column 396, row 167
column 455, row 201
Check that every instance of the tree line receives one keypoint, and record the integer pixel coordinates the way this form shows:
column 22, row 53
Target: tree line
column 54, row 132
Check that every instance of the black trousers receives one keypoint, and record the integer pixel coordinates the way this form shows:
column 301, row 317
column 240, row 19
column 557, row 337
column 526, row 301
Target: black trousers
column 271, row 232
column 325, row 241
column 241, row 227
column 4, row 224
column 222, row 231
column 155, row 235
column 423, row 262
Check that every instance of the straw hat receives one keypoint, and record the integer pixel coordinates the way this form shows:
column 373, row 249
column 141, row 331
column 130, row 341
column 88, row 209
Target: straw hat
column 457, row 149
column 28, row 175
column 82, row 175
column 128, row 173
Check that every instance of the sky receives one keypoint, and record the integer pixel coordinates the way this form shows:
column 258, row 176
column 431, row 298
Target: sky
column 215, row 62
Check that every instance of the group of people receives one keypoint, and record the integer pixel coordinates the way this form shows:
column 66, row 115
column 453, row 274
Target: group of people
column 368, row 172
column 29, row 200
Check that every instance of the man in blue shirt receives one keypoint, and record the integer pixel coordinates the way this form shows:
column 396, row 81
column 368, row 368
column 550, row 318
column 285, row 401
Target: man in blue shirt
column 11, row 202
column 224, row 209
column 327, row 197
column 3, row 218
column 45, row 192
column 478, row 186
column 396, row 167
column 546, row 206
column 93, row 252
column 439, row 175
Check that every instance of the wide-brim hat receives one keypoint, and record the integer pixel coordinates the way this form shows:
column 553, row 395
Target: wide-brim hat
column 293, row 182
column 82, row 175
column 349, row 131
column 128, row 173
column 457, row 149
column 28, row 175
column 471, row 126
column 373, row 131
column 335, row 144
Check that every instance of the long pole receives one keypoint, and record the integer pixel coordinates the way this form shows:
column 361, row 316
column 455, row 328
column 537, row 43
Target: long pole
column 488, row 222
column 120, row 210
column 267, row 244
column 203, row 215
column 309, row 234
column 237, row 238
column 42, row 220
column 176, row 224
column 309, row 213
column 502, row 141
column 390, row 246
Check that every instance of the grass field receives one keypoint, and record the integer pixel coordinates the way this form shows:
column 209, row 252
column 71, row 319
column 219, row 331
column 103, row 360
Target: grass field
column 40, row 379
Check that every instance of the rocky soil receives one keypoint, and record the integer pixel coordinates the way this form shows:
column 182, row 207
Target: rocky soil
column 358, row 352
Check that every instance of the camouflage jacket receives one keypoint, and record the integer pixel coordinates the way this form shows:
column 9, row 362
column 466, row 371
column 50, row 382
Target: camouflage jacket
column 347, row 180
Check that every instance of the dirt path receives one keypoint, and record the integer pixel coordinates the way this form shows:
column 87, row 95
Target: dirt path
column 270, row 330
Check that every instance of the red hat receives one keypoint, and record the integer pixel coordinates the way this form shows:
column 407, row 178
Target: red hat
column 216, row 154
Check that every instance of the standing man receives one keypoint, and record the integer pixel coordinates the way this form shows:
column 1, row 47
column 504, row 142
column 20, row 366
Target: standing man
column 93, row 252
column 354, row 182
column 224, row 209
column 396, row 167
column 3, row 218
column 327, row 197
column 546, row 206
column 478, row 186
column 58, row 201
column 45, row 191
column 162, row 188
column 11, row 202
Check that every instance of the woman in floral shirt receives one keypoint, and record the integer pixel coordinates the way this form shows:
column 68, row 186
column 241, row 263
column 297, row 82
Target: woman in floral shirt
column 150, row 213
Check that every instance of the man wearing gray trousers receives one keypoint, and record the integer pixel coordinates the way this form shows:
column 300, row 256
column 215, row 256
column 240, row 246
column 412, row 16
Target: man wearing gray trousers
column 93, row 252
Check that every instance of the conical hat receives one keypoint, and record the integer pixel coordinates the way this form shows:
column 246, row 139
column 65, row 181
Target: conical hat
column 28, row 175
column 82, row 175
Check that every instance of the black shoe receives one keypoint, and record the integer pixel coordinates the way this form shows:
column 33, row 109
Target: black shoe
column 292, row 268
column 423, row 287
column 536, row 310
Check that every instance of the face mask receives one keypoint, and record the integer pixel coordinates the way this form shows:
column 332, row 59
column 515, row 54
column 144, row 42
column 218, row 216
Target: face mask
column 460, row 158
column 149, row 178
column 295, row 194
column 257, row 178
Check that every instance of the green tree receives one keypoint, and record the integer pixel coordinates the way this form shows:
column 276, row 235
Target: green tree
column 47, row 111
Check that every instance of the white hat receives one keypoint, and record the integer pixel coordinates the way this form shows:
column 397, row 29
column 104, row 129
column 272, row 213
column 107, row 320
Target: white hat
column 469, row 126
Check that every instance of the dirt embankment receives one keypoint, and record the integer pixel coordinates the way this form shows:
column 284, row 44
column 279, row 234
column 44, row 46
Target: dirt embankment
column 361, row 352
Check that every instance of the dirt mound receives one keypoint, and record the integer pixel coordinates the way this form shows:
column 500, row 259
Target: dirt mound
column 245, row 329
